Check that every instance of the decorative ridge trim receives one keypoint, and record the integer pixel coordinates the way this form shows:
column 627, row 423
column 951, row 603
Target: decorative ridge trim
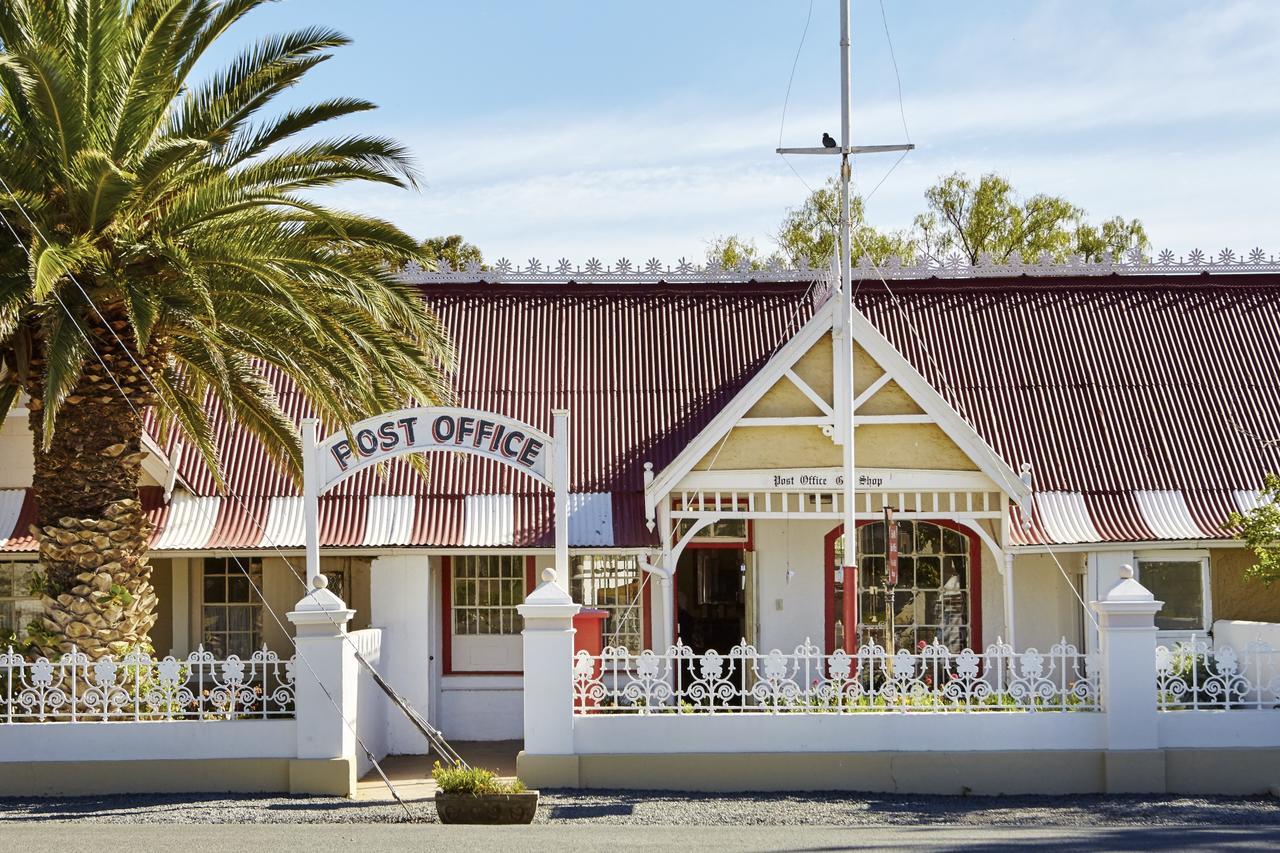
column 953, row 266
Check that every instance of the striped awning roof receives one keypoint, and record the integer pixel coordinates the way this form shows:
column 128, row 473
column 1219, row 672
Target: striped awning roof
column 1146, row 405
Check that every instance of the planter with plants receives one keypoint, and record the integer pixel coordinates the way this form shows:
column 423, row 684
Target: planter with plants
column 473, row 795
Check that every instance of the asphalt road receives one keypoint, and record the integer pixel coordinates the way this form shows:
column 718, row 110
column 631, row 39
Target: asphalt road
column 99, row 838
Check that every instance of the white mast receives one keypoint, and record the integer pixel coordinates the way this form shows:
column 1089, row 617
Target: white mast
column 844, row 337
column 842, row 324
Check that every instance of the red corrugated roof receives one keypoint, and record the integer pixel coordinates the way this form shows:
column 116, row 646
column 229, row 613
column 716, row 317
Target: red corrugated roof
column 1133, row 397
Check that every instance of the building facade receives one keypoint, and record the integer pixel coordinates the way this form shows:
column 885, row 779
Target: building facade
column 1032, row 429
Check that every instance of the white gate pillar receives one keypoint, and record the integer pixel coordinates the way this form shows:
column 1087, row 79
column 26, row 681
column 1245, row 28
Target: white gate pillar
column 1126, row 622
column 548, row 757
column 324, row 696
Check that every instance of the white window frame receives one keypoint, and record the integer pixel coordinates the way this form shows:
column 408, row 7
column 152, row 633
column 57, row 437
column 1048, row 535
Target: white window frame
column 236, row 566
column 1206, row 586
column 509, row 620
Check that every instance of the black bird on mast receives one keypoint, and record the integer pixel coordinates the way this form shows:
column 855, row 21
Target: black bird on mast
column 827, row 141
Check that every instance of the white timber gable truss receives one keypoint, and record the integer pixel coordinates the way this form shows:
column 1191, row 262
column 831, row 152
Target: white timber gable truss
column 974, row 487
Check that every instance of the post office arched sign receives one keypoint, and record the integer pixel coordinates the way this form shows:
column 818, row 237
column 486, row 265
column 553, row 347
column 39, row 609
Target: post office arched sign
column 436, row 429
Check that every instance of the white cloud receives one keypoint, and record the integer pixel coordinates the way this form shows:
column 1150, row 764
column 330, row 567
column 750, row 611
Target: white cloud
column 1171, row 121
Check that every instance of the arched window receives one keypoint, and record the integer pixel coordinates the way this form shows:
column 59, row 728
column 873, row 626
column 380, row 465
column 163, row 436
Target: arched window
column 934, row 596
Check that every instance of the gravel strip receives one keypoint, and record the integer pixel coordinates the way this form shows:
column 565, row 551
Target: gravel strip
column 665, row 807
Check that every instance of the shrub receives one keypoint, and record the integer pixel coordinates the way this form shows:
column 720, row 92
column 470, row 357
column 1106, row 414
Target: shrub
column 472, row 780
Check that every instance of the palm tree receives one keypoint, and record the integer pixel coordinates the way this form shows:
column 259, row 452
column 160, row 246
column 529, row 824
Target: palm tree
column 165, row 247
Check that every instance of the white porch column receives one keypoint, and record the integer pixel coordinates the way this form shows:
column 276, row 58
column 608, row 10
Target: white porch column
column 548, row 757
column 1010, row 603
column 1126, row 621
column 324, row 696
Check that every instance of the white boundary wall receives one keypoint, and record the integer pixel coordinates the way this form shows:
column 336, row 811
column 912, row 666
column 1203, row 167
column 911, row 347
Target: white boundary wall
column 1126, row 745
column 90, row 741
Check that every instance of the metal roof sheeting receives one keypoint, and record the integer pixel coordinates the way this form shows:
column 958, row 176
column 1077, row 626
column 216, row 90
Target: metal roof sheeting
column 1138, row 400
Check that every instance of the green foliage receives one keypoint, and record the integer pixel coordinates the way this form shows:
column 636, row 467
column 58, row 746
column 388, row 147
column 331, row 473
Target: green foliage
column 973, row 219
column 1260, row 529
column 811, row 231
column 185, row 210
column 731, row 251
column 988, row 218
column 118, row 594
column 453, row 249
column 38, row 584
column 472, row 780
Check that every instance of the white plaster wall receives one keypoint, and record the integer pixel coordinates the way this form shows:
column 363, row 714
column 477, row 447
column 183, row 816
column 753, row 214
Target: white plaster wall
column 704, row 733
column 373, row 707
column 1045, row 608
column 994, row 623
column 130, row 741
column 790, row 613
column 482, row 707
column 486, row 652
column 1103, row 572
column 400, row 605
column 15, row 453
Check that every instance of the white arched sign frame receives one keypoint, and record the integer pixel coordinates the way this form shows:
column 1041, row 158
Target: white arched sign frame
column 436, row 429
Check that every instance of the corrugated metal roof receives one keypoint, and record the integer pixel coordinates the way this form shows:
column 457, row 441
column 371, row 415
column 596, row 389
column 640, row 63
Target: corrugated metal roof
column 1134, row 398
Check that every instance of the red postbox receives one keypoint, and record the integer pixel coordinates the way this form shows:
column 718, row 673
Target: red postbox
column 588, row 637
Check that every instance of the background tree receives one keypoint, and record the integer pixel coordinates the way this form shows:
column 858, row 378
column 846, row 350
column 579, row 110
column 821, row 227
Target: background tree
column 169, row 248
column 988, row 218
column 970, row 218
column 453, row 249
column 809, row 233
column 732, row 250
column 1260, row 528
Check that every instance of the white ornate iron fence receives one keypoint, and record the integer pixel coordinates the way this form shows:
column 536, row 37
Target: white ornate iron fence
column 139, row 688
column 931, row 678
column 1192, row 675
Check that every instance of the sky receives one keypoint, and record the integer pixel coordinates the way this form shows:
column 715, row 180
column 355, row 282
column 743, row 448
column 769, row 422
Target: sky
column 599, row 128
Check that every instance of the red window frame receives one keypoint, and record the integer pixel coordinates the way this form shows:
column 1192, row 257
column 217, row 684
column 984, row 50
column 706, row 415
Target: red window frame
column 446, row 604
column 851, row 601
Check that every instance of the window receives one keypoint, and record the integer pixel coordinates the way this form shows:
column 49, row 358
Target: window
column 232, row 611
column 931, row 600
column 19, row 597
column 1182, row 583
column 486, row 590
column 614, row 583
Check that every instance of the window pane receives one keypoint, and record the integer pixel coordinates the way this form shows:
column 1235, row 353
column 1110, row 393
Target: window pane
column 215, row 590
column 1178, row 585
column 238, row 589
column 928, row 539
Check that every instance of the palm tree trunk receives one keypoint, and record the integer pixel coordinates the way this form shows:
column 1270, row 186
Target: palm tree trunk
column 90, row 525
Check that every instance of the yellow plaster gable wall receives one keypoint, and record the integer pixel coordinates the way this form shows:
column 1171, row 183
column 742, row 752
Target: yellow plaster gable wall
column 814, row 367
column 923, row 446
column 16, row 461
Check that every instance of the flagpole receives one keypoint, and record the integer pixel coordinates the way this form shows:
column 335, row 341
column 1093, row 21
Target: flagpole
column 842, row 320
column 845, row 340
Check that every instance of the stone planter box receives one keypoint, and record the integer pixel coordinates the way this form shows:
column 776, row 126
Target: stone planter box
column 487, row 808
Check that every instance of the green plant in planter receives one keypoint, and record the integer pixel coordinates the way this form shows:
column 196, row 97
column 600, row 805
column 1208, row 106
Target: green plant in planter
column 473, row 795
column 472, row 780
